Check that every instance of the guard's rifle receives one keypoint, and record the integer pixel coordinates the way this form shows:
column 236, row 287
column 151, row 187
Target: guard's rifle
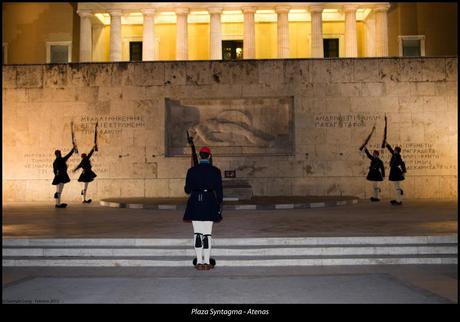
column 192, row 145
column 384, row 133
column 95, row 137
column 367, row 139
column 74, row 143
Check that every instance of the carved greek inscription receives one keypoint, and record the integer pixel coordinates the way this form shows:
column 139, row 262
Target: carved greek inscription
column 109, row 124
column 335, row 120
column 418, row 156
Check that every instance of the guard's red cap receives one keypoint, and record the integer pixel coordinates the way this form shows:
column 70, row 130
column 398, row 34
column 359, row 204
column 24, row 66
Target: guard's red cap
column 205, row 149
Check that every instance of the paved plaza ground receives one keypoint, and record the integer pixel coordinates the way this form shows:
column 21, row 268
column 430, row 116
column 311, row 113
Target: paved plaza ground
column 238, row 285
column 414, row 218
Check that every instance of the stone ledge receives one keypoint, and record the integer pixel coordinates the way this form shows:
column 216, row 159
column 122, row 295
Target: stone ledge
column 265, row 203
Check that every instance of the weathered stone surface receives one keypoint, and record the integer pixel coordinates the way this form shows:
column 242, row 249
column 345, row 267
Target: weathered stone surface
column 389, row 70
column 244, row 73
column 341, row 70
column 199, row 73
column 434, row 70
column 452, row 69
column 411, row 69
column 9, row 78
column 349, row 89
column 320, row 71
column 175, row 73
column 366, row 70
column 55, row 75
column 333, row 105
column 425, row 89
column 372, row 89
column 29, row 76
column 296, row 72
column 146, row 74
column 271, row 72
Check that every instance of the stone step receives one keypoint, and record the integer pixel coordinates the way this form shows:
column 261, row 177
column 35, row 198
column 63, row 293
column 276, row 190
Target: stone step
column 237, row 261
column 236, row 251
column 268, row 241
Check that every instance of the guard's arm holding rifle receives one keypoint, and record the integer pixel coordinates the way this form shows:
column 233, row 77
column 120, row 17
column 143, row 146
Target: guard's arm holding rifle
column 389, row 148
column 368, row 154
column 67, row 156
column 194, row 155
column 92, row 151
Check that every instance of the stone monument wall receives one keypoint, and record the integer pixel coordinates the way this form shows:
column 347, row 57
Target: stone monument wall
column 289, row 127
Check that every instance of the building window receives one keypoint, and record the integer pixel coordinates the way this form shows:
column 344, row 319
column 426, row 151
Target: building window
column 58, row 52
column 412, row 46
column 135, row 51
column 5, row 53
column 331, row 47
column 232, row 49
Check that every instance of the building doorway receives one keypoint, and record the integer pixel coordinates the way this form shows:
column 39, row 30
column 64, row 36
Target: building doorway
column 331, row 48
column 135, row 51
column 232, row 49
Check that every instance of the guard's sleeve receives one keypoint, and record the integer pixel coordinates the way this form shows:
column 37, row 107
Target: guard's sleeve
column 78, row 166
column 368, row 154
column 188, row 183
column 218, row 188
column 69, row 154
column 390, row 148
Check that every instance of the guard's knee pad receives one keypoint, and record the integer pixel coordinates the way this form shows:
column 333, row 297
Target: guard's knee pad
column 198, row 243
column 402, row 192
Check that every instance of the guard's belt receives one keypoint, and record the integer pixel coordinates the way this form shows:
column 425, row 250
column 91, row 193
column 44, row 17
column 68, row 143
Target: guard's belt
column 203, row 190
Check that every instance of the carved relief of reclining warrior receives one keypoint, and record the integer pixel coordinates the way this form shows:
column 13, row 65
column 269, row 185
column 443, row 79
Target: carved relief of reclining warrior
column 228, row 127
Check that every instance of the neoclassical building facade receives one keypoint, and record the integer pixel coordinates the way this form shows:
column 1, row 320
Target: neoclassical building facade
column 280, row 25
column 62, row 32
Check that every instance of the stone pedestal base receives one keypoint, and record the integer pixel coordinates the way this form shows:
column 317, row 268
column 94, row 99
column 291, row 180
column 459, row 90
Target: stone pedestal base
column 238, row 188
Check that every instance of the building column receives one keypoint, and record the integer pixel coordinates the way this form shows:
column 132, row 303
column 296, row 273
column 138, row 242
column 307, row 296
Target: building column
column 283, row 32
column 249, row 33
column 148, row 35
column 115, row 35
column 182, row 34
column 85, row 36
column 316, row 13
column 351, row 40
column 381, row 30
column 215, row 33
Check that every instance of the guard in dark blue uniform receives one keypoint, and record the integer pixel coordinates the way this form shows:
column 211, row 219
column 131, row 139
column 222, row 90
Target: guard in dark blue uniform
column 87, row 174
column 204, row 185
column 397, row 171
column 376, row 173
column 60, row 175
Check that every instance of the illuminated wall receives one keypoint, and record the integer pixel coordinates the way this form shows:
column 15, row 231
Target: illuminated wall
column 198, row 39
column 28, row 26
column 333, row 105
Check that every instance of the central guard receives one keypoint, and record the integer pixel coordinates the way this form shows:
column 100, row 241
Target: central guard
column 204, row 207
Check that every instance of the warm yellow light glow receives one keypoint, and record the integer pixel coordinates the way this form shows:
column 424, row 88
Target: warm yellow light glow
column 231, row 16
column 104, row 18
column 265, row 11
